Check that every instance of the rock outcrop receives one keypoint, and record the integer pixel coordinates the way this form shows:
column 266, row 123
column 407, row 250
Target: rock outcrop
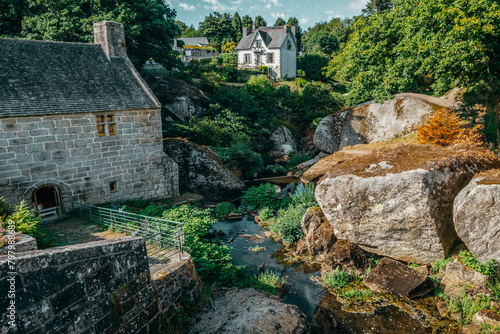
column 398, row 202
column 283, row 140
column 455, row 276
column 178, row 98
column 318, row 233
column 488, row 317
column 248, row 311
column 476, row 215
column 348, row 257
column 201, row 171
column 371, row 122
column 393, row 277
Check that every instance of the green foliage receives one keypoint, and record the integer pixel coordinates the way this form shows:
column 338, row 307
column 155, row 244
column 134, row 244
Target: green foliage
column 263, row 196
column 217, row 27
column 240, row 158
column 313, row 65
column 300, row 82
column 468, row 305
column 336, row 279
column 296, row 159
column 11, row 15
column 439, row 44
column 222, row 210
column 323, row 42
column 260, row 22
column 25, row 220
column 489, row 268
column 265, row 214
column 237, row 27
column 279, row 22
column 137, row 203
column 269, row 281
column 212, row 80
column 263, row 69
column 260, row 87
column 439, row 264
column 149, row 25
column 247, row 21
column 287, row 224
column 357, row 294
column 315, row 123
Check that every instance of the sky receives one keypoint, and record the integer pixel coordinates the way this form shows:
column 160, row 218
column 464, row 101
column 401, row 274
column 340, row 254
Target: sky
column 309, row 12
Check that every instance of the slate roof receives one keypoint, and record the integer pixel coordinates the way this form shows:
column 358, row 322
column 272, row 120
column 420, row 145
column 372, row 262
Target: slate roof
column 194, row 40
column 41, row 78
column 273, row 37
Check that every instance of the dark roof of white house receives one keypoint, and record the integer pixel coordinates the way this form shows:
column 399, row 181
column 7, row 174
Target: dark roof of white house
column 273, row 37
column 41, row 78
column 193, row 40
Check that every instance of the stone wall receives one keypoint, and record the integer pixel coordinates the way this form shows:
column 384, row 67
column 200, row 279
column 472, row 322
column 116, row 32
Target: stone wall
column 98, row 287
column 66, row 151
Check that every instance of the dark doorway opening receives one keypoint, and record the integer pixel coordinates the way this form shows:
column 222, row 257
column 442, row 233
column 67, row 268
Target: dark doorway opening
column 47, row 201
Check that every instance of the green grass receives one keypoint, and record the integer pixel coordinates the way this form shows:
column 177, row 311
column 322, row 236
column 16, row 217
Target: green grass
column 336, row 279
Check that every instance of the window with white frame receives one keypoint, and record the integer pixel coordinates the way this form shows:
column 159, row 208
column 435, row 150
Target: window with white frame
column 248, row 58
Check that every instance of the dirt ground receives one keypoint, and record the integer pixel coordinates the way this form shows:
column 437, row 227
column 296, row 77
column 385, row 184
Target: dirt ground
column 74, row 230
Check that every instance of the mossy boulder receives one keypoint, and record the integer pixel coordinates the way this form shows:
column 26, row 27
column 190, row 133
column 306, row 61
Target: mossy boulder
column 398, row 202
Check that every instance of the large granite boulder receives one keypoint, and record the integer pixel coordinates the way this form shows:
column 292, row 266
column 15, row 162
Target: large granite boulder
column 179, row 99
column 371, row 122
column 318, row 233
column 248, row 311
column 284, row 141
column 398, row 202
column 456, row 275
column 476, row 213
column 201, row 171
column 393, row 277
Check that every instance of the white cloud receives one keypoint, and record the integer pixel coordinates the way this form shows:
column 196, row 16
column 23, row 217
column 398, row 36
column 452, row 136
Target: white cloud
column 269, row 3
column 303, row 20
column 275, row 15
column 267, row 6
column 216, row 6
column 187, row 7
column 357, row 4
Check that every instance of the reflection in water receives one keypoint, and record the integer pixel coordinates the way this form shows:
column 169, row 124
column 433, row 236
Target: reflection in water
column 330, row 319
column 321, row 308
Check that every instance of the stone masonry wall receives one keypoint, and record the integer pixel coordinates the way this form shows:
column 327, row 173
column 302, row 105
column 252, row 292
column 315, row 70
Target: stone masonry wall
column 98, row 287
column 66, row 151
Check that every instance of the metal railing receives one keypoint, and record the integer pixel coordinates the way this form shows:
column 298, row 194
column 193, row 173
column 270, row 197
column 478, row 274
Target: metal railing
column 164, row 238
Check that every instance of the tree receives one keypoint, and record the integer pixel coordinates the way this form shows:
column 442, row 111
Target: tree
column 323, row 42
column 376, row 6
column 217, row 27
column 279, row 22
column 247, row 21
column 294, row 22
column 260, row 22
column 11, row 15
column 237, row 27
column 420, row 45
column 313, row 65
column 149, row 25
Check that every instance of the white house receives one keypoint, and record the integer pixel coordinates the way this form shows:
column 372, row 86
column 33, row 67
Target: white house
column 274, row 47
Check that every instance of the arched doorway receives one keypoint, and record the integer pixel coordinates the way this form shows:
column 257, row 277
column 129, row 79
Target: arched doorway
column 47, row 201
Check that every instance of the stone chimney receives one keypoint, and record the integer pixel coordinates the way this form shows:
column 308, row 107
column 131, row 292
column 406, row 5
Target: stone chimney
column 253, row 26
column 245, row 32
column 286, row 27
column 293, row 30
column 111, row 36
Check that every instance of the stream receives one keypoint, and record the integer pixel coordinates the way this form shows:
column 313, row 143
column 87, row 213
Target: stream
column 321, row 308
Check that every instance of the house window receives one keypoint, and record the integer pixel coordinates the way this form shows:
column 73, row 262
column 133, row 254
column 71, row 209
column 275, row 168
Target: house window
column 289, row 44
column 247, row 58
column 106, row 125
column 270, row 58
column 112, row 187
column 259, row 44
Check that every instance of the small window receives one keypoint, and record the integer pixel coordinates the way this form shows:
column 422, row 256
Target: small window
column 270, row 58
column 247, row 58
column 106, row 125
column 259, row 44
column 289, row 45
column 112, row 187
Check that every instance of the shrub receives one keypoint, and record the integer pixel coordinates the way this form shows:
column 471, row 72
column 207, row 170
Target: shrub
column 263, row 69
column 287, row 224
column 222, row 210
column 266, row 214
column 304, row 195
column 260, row 87
column 336, row 279
column 297, row 159
column 269, row 281
column 300, row 82
column 357, row 294
column 25, row 220
column 240, row 157
column 468, row 305
column 265, row 195
column 211, row 80
column 137, row 203
column 440, row 264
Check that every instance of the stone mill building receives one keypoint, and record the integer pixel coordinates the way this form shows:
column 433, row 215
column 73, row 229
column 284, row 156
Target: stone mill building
column 78, row 124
